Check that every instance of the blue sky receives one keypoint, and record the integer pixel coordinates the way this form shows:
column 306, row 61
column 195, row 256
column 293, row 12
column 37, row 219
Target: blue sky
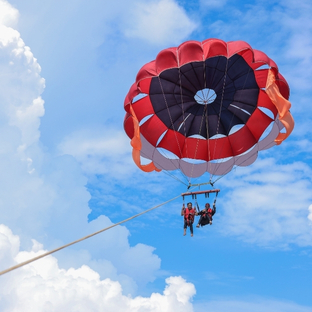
column 67, row 171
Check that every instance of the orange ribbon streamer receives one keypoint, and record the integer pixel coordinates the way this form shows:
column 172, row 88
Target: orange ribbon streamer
column 282, row 106
column 137, row 146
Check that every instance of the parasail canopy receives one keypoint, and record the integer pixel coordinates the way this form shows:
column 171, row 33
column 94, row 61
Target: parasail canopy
column 206, row 107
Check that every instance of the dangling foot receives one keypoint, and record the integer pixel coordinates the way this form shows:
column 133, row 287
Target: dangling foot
column 197, row 225
column 184, row 232
column 210, row 222
column 191, row 234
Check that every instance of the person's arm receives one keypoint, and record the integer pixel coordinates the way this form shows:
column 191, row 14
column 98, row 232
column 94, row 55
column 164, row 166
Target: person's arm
column 182, row 210
column 214, row 208
column 198, row 209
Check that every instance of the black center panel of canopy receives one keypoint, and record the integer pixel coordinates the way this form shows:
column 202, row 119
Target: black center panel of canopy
column 236, row 95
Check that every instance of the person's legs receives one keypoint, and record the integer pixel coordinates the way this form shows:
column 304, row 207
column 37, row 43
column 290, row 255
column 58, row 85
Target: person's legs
column 204, row 221
column 185, row 226
column 191, row 228
column 199, row 221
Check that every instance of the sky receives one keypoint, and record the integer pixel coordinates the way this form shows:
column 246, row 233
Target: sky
column 67, row 171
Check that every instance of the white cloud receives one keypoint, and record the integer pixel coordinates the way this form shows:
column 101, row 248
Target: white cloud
column 300, row 145
column 20, row 89
column 44, row 197
column 8, row 14
column 101, row 151
column 51, row 205
column 299, row 44
column 44, row 286
column 159, row 22
column 267, row 203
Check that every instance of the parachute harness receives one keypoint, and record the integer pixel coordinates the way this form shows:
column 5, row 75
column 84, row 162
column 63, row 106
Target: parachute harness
column 194, row 196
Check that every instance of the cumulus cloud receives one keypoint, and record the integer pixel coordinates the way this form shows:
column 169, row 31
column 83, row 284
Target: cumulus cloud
column 79, row 289
column 302, row 145
column 20, row 92
column 159, row 22
column 44, row 197
column 299, row 43
column 267, row 203
column 104, row 155
column 82, row 289
column 8, row 14
column 101, row 151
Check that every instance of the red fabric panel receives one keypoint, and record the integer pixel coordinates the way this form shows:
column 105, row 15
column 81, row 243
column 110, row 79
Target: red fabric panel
column 257, row 123
column 190, row 51
column 261, row 76
column 173, row 142
column 248, row 56
column 241, row 141
column 195, row 149
column 234, row 47
column 262, row 58
column 166, row 59
column 147, row 71
column 152, row 129
column 144, row 85
column 143, row 108
column 128, row 126
column 218, row 148
column 214, row 47
column 273, row 66
column 131, row 94
column 283, row 86
column 265, row 101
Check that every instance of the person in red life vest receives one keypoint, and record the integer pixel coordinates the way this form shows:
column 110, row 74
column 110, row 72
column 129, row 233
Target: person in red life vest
column 206, row 215
column 189, row 214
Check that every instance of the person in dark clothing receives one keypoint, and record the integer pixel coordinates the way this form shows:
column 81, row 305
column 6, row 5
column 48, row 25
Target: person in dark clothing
column 206, row 215
column 189, row 214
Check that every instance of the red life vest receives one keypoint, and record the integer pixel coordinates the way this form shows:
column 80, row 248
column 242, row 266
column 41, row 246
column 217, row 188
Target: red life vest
column 209, row 212
column 189, row 215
